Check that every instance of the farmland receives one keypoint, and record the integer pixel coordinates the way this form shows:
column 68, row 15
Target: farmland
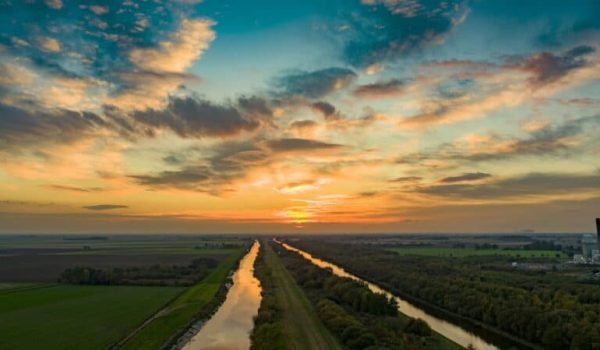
column 466, row 252
column 67, row 316
column 43, row 259
column 75, row 317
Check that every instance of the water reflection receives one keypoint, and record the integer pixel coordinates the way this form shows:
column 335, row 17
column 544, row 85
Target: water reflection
column 230, row 327
column 449, row 330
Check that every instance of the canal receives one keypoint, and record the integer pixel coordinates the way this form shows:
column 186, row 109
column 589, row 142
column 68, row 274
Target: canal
column 449, row 330
column 230, row 326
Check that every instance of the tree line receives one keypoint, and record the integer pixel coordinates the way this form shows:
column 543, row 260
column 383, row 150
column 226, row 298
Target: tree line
column 551, row 309
column 268, row 332
column 155, row 275
column 356, row 316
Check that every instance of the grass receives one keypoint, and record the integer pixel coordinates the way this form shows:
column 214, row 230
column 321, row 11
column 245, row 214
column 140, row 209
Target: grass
column 302, row 327
column 466, row 252
column 75, row 317
column 183, row 309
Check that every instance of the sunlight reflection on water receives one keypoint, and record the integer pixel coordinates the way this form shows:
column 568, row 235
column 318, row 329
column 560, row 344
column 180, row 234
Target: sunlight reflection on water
column 230, row 327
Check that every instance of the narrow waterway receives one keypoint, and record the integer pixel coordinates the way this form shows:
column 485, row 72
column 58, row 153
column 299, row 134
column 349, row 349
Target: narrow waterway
column 453, row 332
column 230, row 327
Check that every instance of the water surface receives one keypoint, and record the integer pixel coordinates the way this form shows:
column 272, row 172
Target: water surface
column 445, row 328
column 230, row 327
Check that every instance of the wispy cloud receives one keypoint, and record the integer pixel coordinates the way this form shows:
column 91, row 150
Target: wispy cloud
column 105, row 207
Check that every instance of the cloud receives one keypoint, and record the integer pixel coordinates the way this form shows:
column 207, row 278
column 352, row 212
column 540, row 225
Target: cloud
column 368, row 194
column 176, row 54
column 326, row 109
column 160, row 69
column 75, row 188
column 316, row 84
column 136, row 53
column 389, row 88
column 406, row 179
column 99, row 10
column 195, row 117
column 533, row 184
column 296, row 144
column 547, row 67
column 207, row 170
column 383, row 31
column 550, row 140
column 49, row 44
column 303, row 124
column 257, row 107
column 466, row 177
column 20, row 127
column 105, row 207
column 54, row 4
column 187, row 177
column 301, row 186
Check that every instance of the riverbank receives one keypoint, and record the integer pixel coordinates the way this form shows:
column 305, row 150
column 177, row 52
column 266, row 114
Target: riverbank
column 485, row 332
column 230, row 326
column 297, row 319
column 195, row 303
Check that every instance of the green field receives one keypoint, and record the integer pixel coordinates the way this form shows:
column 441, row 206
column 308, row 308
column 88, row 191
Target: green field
column 75, row 317
column 466, row 252
column 302, row 327
column 183, row 309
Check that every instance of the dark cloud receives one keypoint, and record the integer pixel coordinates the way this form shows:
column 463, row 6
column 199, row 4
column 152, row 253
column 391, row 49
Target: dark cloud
column 184, row 178
column 295, row 144
column 326, row 109
column 388, row 88
column 75, row 188
column 466, row 177
column 105, row 207
column 195, row 117
column 20, row 127
column 303, row 124
column 455, row 88
column 547, row 67
column 368, row 194
column 551, row 140
column 406, row 179
column 548, row 141
column 316, row 84
column 210, row 173
column 255, row 107
column 519, row 187
column 387, row 30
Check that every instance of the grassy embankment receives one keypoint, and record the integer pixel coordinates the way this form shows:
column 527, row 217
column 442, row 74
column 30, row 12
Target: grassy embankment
column 184, row 309
column 74, row 317
column 351, row 298
column 296, row 325
column 466, row 252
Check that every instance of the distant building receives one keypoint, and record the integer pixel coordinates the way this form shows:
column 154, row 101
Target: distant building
column 590, row 248
column 579, row 259
column 598, row 232
column 589, row 243
column 596, row 256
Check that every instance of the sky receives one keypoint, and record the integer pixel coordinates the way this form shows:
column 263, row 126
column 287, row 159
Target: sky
column 340, row 116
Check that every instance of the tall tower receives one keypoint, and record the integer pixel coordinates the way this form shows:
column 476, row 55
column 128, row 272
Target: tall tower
column 598, row 232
